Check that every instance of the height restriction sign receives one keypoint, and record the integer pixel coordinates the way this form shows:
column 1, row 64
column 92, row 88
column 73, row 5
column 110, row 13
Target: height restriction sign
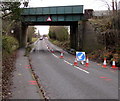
column 49, row 19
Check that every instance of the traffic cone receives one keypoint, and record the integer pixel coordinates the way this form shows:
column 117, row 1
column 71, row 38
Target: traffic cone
column 113, row 65
column 104, row 63
column 75, row 62
column 61, row 56
column 52, row 50
column 87, row 62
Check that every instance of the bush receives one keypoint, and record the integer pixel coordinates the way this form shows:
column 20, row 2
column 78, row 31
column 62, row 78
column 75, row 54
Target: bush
column 9, row 44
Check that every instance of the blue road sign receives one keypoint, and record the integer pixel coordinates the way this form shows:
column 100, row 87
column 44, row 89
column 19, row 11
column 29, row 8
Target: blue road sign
column 80, row 56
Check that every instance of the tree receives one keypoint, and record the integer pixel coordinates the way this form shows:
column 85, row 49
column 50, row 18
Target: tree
column 10, row 15
column 59, row 33
column 11, row 10
column 113, row 4
column 30, row 32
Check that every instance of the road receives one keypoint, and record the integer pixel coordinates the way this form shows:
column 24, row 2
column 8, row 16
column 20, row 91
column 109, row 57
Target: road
column 61, row 80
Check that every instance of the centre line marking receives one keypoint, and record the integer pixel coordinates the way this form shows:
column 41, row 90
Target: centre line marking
column 68, row 62
column 76, row 67
column 82, row 70
column 55, row 55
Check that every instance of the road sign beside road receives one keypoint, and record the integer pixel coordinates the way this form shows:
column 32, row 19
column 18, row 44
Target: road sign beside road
column 80, row 56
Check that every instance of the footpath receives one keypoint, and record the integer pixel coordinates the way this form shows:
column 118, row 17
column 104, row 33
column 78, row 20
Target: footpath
column 24, row 85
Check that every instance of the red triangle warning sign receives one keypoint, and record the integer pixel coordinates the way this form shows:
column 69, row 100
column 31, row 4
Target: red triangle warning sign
column 49, row 19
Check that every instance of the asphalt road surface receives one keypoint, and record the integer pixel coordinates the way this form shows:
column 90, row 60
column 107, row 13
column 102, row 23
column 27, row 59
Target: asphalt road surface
column 61, row 80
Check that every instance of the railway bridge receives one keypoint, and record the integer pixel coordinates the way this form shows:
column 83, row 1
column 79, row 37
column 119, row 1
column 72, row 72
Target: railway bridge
column 56, row 16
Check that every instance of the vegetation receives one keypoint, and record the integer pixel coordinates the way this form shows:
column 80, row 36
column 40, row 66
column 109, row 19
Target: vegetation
column 59, row 36
column 59, row 33
column 8, row 66
column 63, row 44
column 9, row 47
column 9, row 44
column 30, row 33
column 10, row 20
column 108, row 35
column 34, row 39
column 11, row 9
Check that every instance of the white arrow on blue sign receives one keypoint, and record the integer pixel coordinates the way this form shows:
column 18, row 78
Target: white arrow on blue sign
column 80, row 56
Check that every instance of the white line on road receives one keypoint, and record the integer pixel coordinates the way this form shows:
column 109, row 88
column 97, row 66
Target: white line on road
column 55, row 55
column 76, row 67
column 68, row 62
column 72, row 64
column 82, row 69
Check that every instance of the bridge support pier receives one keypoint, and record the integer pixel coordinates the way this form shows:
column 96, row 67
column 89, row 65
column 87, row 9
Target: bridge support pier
column 75, row 40
column 24, row 36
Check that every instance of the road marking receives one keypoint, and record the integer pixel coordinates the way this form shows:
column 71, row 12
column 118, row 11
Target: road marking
column 31, row 81
column 55, row 55
column 72, row 64
column 76, row 67
column 82, row 69
column 103, row 77
column 108, row 79
column 68, row 62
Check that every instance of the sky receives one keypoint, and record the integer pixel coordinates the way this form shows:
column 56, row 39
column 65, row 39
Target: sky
column 88, row 4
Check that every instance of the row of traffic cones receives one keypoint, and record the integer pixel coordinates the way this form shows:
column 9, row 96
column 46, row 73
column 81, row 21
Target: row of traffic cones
column 75, row 62
column 105, row 64
column 87, row 61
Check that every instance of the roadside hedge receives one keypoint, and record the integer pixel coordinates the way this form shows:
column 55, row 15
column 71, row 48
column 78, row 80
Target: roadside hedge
column 9, row 44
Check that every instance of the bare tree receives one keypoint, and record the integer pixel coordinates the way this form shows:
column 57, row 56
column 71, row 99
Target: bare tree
column 107, row 4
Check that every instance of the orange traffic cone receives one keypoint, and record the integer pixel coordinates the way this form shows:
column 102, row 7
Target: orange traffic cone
column 52, row 50
column 61, row 56
column 87, row 62
column 113, row 65
column 47, row 46
column 75, row 62
column 104, row 63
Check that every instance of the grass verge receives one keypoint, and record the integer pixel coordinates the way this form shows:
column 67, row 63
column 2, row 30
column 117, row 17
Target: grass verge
column 34, row 39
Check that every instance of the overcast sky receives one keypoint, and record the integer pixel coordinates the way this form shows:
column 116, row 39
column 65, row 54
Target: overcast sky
column 88, row 4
